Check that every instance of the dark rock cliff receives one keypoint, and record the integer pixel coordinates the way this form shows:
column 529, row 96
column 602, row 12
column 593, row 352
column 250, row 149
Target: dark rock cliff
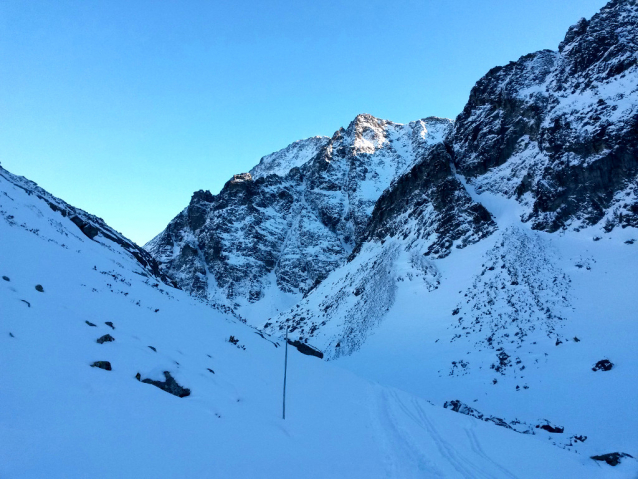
column 559, row 130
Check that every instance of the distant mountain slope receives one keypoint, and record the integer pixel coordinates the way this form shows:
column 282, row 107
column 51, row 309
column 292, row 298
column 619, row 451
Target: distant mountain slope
column 277, row 235
column 109, row 373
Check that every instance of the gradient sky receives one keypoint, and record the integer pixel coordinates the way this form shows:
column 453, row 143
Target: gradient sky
column 124, row 108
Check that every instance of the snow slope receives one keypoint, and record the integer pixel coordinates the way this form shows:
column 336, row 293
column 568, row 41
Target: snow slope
column 59, row 417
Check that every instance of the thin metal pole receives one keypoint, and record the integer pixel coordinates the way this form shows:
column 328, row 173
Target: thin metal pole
column 285, row 372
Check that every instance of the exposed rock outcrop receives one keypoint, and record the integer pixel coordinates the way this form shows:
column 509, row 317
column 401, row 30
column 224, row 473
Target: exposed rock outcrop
column 169, row 385
column 559, row 130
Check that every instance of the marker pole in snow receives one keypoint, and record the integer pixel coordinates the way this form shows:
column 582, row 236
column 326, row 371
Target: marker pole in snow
column 285, row 372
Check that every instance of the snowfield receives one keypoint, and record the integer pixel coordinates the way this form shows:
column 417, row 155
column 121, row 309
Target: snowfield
column 60, row 417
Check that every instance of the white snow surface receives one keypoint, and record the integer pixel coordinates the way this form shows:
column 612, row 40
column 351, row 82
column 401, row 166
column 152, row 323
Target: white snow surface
column 59, row 417
column 293, row 156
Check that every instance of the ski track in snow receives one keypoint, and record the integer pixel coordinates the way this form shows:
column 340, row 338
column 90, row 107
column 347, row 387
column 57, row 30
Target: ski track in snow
column 404, row 453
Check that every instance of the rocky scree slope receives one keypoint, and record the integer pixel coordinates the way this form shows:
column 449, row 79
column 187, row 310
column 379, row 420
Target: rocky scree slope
column 278, row 231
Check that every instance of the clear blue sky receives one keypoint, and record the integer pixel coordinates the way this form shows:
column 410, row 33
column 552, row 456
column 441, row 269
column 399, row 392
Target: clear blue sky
column 124, row 107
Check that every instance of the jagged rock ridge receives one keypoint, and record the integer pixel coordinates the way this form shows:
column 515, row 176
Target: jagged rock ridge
column 555, row 130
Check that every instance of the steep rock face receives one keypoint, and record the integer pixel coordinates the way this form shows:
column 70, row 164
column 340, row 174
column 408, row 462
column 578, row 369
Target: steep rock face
column 430, row 205
column 290, row 224
column 91, row 226
column 559, row 130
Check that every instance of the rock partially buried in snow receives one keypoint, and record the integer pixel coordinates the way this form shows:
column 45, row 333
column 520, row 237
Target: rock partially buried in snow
column 552, row 429
column 6, row 278
column 38, row 287
column 612, row 458
column 109, row 323
column 91, row 324
column 306, row 349
column 102, row 365
column 107, row 338
column 462, row 408
column 603, row 365
column 169, row 385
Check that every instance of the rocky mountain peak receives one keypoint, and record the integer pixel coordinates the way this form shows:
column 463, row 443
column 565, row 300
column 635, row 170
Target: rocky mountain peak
column 200, row 196
column 575, row 31
column 606, row 45
column 557, row 130
column 294, row 217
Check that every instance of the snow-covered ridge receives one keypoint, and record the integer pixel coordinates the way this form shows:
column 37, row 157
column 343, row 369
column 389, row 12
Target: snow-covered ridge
column 293, row 156
column 90, row 226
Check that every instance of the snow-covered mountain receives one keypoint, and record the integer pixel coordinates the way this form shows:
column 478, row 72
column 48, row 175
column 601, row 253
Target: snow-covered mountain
column 108, row 372
column 293, row 156
column 272, row 234
column 490, row 268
